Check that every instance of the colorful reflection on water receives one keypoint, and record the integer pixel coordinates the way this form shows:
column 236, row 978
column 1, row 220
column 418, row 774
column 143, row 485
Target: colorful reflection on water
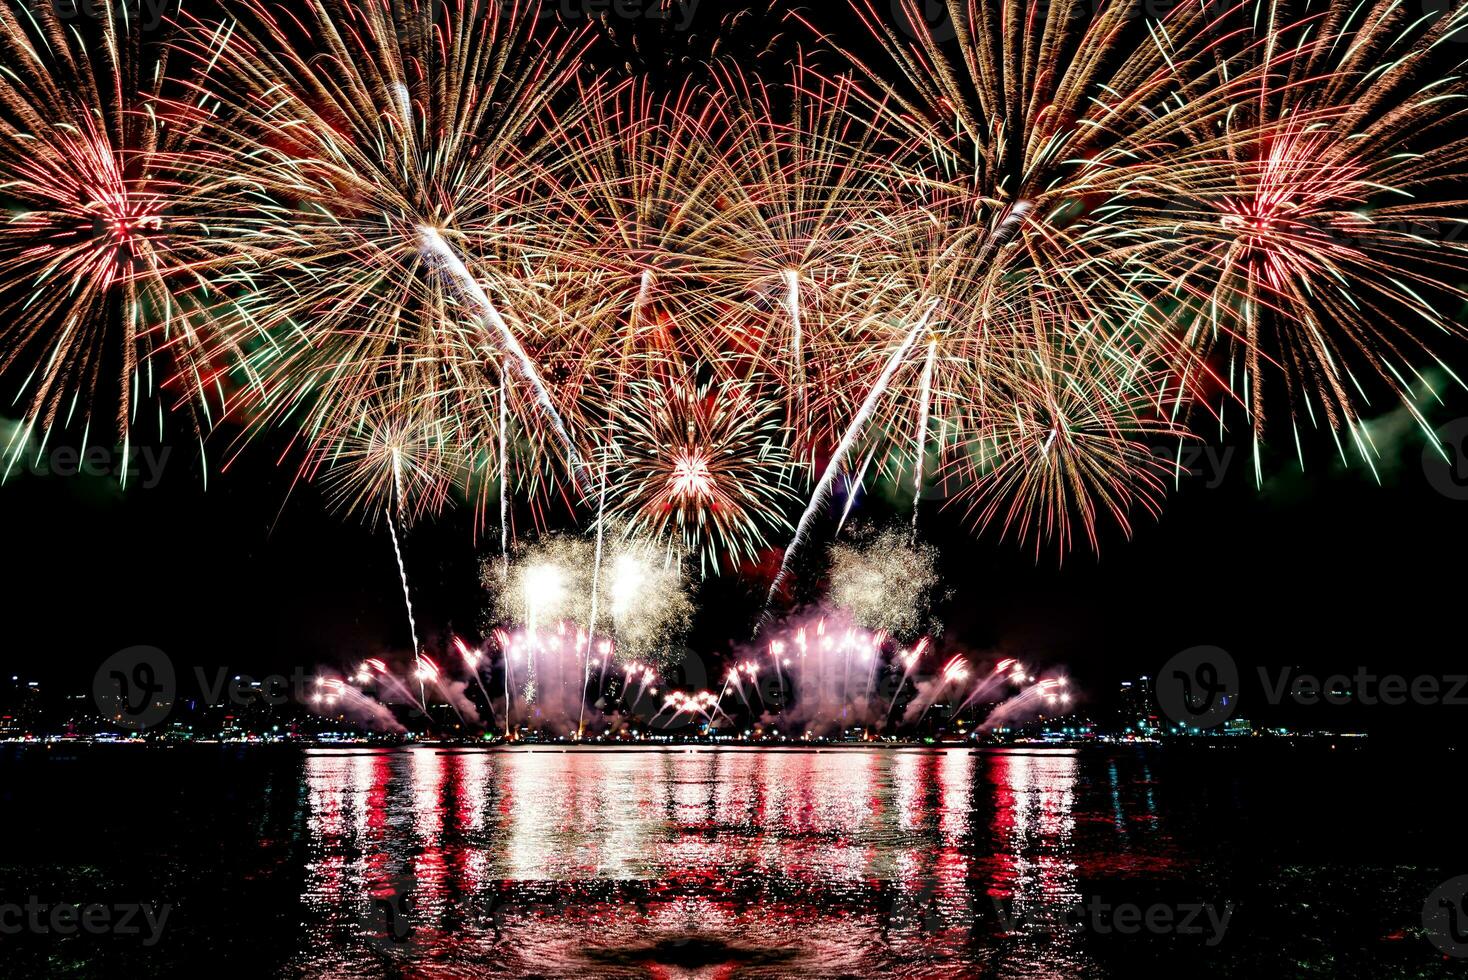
column 430, row 863
column 690, row 864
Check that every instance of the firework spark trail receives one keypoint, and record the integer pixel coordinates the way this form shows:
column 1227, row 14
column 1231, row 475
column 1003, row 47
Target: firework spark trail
column 920, row 447
column 406, row 691
column 435, row 247
column 601, row 530
column 104, row 233
column 504, row 461
column 646, row 678
column 403, row 575
column 644, row 293
column 738, row 682
column 397, row 483
column 330, row 691
column 853, row 488
column 1049, row 692
column 956, row 671
column 473, row 659
column 503, row 640
column 985, row 687
column 777, row 653
column 909, row 660
column 728, row 679
column 828, row 479
column 407, row 595
column 752, row 668
column 821, row 698
column 429, row 671
column 703, row 469
column 797, row 334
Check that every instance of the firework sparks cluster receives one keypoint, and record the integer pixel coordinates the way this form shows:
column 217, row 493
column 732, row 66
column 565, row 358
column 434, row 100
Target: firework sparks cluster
column 823, row 677
column 824, row 672
column 1001, row 261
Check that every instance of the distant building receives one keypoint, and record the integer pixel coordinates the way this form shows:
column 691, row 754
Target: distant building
column 1137, row 707
column 20, row 707
column 1238, row 726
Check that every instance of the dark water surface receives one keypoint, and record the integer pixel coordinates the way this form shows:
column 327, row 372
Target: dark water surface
column 445, row 863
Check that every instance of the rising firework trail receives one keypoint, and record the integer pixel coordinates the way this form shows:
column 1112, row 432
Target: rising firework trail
column 920, row 443
column 504, row 439
column 397, row 504
column 853, row 491
column 838, row 458
column 448, row 259
column 797, row 333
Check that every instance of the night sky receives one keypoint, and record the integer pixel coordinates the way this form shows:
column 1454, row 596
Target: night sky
column 1328, row 570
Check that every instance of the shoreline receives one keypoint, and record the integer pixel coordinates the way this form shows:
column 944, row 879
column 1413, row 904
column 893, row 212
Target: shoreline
column 1330, row 743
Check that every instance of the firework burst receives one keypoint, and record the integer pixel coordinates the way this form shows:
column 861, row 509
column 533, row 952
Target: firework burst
column 103, row 237
column 702, row 469
column 1076, row 432
column 885, row 583
column 1314, row 232
column 382, row 207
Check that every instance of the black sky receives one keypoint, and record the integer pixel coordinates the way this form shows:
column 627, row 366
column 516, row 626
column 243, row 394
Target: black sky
column 1328, row 569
